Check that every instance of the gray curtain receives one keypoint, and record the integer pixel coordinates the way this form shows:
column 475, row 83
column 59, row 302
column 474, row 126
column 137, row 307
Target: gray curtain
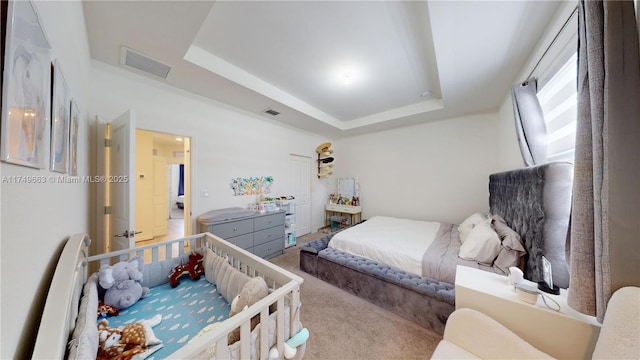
column 604, row 253
column 530, row 125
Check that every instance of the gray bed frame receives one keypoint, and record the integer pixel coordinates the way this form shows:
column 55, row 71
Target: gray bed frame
column 535, row 202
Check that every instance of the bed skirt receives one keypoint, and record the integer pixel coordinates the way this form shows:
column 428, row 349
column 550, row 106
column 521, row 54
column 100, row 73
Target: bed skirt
column 424, row 301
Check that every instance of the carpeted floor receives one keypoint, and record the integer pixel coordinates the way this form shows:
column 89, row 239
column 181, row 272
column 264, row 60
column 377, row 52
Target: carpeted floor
column 345, row 327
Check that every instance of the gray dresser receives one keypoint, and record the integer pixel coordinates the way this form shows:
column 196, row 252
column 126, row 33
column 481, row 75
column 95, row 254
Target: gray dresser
column 261, row 234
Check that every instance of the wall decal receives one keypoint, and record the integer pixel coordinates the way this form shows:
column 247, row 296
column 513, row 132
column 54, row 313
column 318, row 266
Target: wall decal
column 251, row 186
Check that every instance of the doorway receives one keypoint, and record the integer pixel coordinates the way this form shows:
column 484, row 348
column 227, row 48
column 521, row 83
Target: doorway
column 116, row 208
column 175, row 206
column 162, row 189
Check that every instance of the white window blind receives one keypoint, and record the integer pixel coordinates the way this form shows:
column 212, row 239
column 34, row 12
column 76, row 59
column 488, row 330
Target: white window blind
column 558, row 99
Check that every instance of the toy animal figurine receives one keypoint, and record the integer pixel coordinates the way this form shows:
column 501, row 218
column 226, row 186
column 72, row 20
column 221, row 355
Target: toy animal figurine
column 126, row 341
column 194, row 269
column 122, row 282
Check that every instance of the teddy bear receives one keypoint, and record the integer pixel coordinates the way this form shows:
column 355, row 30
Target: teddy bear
column 126, row 341
column 122, row 283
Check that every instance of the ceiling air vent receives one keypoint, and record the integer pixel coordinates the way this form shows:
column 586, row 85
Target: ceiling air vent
column 271, row 112
column 144, row 63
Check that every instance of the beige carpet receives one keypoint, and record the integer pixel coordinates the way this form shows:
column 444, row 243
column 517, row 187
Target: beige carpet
column 343, row 326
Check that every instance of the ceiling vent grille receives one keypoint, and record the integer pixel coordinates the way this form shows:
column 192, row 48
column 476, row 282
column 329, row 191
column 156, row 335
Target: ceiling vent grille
column 271, row 112
column 144, row 63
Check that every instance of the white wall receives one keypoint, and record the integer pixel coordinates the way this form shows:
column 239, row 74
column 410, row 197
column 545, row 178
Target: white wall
column 226, row 142
column 509, row 154
column 436, row 171
column 37, row 219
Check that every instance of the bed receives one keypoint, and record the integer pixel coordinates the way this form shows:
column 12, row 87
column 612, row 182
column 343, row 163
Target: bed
column 68, row 324
column 418, row 284
column 180, row 201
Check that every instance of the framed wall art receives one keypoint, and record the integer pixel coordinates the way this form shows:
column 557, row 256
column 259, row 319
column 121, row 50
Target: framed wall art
column 73, row 139
column 26, row 88
column 60, row 116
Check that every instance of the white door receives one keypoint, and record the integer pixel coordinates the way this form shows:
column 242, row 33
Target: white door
column 121, row 179
column 301, row 188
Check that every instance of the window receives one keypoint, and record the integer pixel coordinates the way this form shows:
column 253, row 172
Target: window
column 558, row 99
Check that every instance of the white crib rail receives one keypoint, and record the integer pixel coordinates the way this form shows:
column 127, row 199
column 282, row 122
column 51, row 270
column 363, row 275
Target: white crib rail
column 157, row 251
column 61, row 307
column 285, row 283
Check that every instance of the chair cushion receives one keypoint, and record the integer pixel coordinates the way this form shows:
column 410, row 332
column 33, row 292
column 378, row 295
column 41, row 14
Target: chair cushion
column 620, row 334
column 449, row 350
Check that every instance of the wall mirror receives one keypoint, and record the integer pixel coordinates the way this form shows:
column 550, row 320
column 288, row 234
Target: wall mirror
column 347, row 187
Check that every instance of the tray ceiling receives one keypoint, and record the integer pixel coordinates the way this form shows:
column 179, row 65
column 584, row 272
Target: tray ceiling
column 334, row 68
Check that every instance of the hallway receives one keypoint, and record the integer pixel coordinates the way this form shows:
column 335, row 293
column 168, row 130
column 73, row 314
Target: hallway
column 175, row 230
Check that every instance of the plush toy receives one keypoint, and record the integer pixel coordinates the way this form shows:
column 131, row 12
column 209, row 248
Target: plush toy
column 122, row 282
column 291, row 345
column 193, row 268
column 105, row 310
column 126, row 341
column 253, row 291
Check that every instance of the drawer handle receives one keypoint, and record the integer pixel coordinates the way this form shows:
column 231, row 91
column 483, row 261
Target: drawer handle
column 269, row 221
column 269, row 235
column 235, row 229
column 268, row 249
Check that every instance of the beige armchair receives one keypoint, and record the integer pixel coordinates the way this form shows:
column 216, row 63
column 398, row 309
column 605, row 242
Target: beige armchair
column 470, row 334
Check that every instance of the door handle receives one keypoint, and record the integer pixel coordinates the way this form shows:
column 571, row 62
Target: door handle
column 128, row 233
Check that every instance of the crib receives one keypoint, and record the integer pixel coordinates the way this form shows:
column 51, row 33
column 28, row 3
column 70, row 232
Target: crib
column 61, row 309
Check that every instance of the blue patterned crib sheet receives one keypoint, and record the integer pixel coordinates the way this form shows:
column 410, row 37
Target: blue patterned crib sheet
column 185, row 310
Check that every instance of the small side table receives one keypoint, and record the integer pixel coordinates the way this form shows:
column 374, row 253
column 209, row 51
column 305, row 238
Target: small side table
column 355, row 212
column 564, row 334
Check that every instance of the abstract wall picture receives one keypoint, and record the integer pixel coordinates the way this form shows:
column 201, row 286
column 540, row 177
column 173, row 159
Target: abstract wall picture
column 26, row 88
column 60, row 114
column 73, row 139
column 251, row 186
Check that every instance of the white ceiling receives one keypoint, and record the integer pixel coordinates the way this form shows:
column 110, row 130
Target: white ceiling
column 334, row 68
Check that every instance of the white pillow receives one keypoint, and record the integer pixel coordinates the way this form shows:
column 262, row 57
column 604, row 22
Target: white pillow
column 469, row 223
column 482, row 245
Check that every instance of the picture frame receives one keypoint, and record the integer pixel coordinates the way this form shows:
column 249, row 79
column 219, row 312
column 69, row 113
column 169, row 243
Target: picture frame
column 26, row 88
column 60, row 116
column 73, row 138
column 547, row 272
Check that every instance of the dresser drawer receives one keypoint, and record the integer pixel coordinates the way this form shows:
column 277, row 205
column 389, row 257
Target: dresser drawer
column 264, row 222
column 347, row 209
column 263, row 236
column 270, row 248
column 244, row 241
column 231, row 229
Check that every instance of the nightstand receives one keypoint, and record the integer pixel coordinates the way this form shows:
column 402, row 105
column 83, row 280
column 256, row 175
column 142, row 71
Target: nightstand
column 566, row 334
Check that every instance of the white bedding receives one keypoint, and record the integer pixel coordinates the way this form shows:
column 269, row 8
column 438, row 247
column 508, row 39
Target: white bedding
column 393, row 241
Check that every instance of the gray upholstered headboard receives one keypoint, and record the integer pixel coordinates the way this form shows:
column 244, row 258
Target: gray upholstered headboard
column 536, row 203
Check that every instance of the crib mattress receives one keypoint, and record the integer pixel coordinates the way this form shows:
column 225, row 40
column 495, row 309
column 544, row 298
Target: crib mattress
column 185, row 310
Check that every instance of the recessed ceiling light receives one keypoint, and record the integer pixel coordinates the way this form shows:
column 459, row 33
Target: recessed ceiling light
column 347, row 77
